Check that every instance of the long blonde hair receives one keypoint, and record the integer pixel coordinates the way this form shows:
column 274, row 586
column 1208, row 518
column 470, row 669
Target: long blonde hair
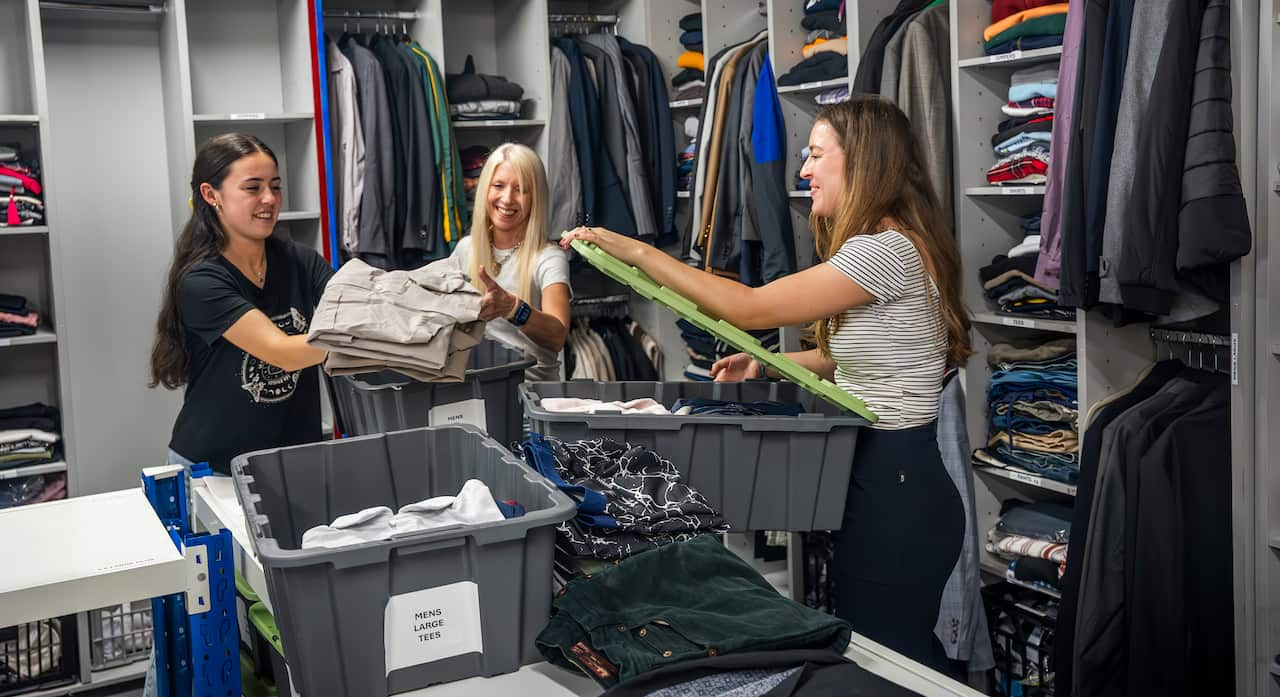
column 533, row 178
column 885, row 179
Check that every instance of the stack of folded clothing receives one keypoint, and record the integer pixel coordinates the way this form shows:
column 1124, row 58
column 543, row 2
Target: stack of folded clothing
column 687, row 157
column 629, row 497
column 29, row 435
column 16, row 318
column 422, row 323
column 690, row 82
column 37, row 488
column 476, row 97
column 20, row 187
column 1021, row 25
column 826, row 46
column 1022, row 140
column 704, row 349
column 1033, row 538
column 1032, row 410
column 1009, row 281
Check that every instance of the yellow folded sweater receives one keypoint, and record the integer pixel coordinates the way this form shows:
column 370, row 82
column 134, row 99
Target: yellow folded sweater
column 1019, row 18
column 690, row 59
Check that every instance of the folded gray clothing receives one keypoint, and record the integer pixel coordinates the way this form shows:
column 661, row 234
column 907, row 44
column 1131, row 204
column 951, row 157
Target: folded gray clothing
column 433, row 355
column 11, row 181
column 1008, row 353
column 7, row 154
column 822, row 34
column 485, row 106
column 1027, row 291
column 1045, row 72
column 454, row 369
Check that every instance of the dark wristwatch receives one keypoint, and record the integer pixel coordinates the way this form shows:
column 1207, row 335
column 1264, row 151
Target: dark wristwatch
column 523, row 312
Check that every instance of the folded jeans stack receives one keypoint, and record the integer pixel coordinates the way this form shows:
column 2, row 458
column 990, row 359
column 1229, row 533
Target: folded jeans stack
column 630, row 498
column 16, row 317
column 826, row 46
column 1032, row 410
column 422, row 323
column 1022, row 25
column 477, row 97
column 704, row 349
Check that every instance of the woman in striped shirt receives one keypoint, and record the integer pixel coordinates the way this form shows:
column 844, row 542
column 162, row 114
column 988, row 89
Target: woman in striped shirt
column 889, row 320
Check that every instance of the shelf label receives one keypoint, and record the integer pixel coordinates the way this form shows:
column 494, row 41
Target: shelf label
column 250, row 116
column 809, row 86
column 432, row 624
column 502, row 122
column 468, row 411
column 1017, row 190
column 1235, row 358
column 1004, row 57
column 1018, row 322
column 1025, row 478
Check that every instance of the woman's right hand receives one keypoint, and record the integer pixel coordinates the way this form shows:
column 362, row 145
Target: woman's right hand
column 736, row 368
column 625, row 249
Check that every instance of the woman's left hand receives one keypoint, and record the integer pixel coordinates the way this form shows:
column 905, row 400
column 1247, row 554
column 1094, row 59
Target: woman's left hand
column 623, row 248
column 497, row 302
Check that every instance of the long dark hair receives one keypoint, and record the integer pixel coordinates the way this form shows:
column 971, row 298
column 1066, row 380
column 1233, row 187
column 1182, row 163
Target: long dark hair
column 885, row 177
column 202, row 239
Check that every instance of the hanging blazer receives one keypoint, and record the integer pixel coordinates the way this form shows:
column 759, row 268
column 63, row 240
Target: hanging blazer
column 769, row 200
column 661, row 148
column 562, row 155
column 378, row 198
column 348, row 145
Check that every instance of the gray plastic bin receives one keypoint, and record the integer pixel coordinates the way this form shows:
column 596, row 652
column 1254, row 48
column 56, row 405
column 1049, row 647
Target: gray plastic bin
column 330, row 604
column 760, row 472
column 389, row 401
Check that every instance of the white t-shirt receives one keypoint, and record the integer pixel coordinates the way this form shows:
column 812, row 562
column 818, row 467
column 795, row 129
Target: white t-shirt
column 552, row 267
column 891, row 354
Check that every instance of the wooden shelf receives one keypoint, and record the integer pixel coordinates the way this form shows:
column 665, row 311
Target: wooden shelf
column 501, row 123
column 24, row 230
column 32, row 470
column 1048, row 325
column 1025, row 478
column 813, row 86
column 1014, row 59
column 686, row 103
column 253, row 117
column 1004, row 191
column 42, row 336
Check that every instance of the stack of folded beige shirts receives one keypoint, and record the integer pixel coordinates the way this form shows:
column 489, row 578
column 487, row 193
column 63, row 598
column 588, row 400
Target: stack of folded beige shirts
column 422, row 323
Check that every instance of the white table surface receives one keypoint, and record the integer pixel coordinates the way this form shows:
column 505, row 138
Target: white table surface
column 216, row 504
column 82, row 553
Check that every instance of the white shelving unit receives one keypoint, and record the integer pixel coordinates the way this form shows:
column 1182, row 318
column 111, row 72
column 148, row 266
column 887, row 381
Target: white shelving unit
column 1006, row 320
column 1013, row 59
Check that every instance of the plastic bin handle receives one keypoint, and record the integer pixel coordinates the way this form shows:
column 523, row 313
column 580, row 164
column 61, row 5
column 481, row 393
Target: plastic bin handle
column 433, row 544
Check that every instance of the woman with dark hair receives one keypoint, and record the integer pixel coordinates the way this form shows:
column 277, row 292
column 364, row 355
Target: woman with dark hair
column 889, row 319
column 235, row 314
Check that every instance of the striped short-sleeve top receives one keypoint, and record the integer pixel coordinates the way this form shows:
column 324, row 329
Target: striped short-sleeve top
column 891, row 354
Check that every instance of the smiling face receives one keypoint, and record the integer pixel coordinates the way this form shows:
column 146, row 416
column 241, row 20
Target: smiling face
column 824, row 169
column 509, row 202
column 249, row 199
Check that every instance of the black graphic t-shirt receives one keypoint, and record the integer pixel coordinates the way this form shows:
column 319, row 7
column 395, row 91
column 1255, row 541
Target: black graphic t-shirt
column 234, row 402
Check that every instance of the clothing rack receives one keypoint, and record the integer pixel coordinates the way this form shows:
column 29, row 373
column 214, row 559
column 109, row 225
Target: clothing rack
column 1197, row 345
column 373, row 14
column 603, row 306
column 562, row 24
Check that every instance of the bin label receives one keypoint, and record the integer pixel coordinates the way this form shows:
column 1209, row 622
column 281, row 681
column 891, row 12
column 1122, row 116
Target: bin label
column 468, row 411
column 432, row 624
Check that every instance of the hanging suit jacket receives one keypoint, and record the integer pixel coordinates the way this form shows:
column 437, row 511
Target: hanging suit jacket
column 562, row 155
column 636, row 180
column 871, row 64
column 375, row 241
column 724, row 239
column 604, row 202
column 924, row 94
column 399, row 101
column 348, row 145
column 661, row 148
column 768, row 203
column 422, row 181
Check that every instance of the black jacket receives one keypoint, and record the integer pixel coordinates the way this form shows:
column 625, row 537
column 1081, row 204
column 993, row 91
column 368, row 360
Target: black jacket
column 660, row 143
column 604, row 202
column 871, row 64
column 399, row 98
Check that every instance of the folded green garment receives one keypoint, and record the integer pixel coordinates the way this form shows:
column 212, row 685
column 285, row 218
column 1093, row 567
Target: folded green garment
column 1040, row 26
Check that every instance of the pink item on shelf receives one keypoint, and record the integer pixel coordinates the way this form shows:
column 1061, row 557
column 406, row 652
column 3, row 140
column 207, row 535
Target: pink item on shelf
column 55, row 488
column 31, row 319
column 11, row 214
column 30, row 184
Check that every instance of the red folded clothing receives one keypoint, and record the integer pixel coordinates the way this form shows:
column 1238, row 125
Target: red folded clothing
column 1005, row 8
column 1023, row 170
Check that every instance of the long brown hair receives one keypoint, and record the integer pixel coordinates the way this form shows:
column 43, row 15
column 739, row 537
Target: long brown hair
column 885, row 179
column 202, row 239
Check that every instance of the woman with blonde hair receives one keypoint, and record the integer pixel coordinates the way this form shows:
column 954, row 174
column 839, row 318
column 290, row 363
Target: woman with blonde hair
column 889, row 319
column 524, row 277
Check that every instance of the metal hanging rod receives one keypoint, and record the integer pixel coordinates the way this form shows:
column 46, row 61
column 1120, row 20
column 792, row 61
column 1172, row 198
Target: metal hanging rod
column 603, row 300
column 1173, row 336
column 154, row 9
column 373, row 14
column 582, row 19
